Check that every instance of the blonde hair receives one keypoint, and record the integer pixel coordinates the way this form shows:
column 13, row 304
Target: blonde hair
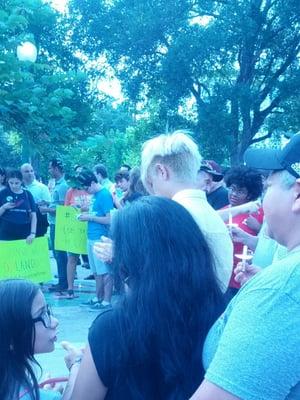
column 176, row 150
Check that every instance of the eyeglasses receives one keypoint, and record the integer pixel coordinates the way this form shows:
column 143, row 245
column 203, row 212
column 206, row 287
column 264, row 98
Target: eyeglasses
column 45, row 317
column 238, row 191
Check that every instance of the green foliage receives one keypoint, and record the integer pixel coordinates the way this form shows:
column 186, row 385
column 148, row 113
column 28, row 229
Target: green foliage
column 115, row 138
column 238, row 67
column 46, row 103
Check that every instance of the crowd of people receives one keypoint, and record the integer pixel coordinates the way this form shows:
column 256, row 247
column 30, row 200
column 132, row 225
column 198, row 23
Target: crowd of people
column 195, row 318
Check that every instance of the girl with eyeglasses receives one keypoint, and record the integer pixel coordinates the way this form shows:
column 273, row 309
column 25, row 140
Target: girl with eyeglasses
column 244, row 185
column 26, row 328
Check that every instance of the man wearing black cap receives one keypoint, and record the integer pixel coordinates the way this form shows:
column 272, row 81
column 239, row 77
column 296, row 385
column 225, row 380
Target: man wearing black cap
column 210, row 179
column 252, row 351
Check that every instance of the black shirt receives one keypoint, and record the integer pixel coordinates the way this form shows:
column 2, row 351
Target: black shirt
column 24, row 205
column 218, row 198
column 117, row 374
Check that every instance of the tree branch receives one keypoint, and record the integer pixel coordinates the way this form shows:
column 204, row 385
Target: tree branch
column 260, row 116
column 264, row 93
column 261, row 138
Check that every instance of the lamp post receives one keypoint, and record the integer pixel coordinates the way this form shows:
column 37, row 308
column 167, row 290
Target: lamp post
column 26, row 52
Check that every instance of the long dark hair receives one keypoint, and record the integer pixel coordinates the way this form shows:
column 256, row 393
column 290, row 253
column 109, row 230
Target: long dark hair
column 174, row 295
column 135, row 185
column 3, row 173
column 17, row 336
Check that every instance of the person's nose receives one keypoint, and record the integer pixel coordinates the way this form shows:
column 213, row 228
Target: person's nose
column 54, row 322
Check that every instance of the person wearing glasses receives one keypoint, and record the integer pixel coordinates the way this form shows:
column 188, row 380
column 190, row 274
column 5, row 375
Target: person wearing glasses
column 244, row 185
column 26, row 328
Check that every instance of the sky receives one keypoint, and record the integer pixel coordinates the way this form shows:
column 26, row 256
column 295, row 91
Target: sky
column 111, row 86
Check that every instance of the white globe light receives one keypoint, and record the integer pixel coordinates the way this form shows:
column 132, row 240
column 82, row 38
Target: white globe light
column 27, row 51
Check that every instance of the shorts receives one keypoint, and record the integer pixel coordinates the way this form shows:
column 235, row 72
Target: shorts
column 73, row 254
column 98, row 267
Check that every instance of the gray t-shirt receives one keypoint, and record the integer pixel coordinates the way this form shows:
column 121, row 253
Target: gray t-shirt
column 57, row 197
column 253, row 350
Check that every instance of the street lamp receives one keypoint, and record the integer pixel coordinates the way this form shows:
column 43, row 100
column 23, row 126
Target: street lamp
column 27, row 51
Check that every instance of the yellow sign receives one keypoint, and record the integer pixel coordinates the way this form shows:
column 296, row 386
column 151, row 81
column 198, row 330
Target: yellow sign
column 28, row 261
column 70, row 234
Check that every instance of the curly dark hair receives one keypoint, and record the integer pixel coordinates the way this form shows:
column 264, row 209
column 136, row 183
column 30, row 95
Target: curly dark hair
column 246, row 177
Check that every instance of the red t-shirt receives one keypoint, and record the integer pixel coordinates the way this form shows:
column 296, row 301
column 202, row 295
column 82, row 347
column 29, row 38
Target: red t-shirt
column 240, row 221
column 77, row 198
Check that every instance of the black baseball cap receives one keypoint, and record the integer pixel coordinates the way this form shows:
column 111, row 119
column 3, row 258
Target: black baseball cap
column 287, row 158
column 212, row 168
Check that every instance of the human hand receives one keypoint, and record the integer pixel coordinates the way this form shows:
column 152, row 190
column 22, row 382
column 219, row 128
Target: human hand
column 42, row 203
column 244, row 271
column 84, row 217
column 52, row 384
column 30, row 238
column 252, row 223
column 9, row 205
column 104, row 249
column 238, row 235
column 74, row 355
column 43, row 209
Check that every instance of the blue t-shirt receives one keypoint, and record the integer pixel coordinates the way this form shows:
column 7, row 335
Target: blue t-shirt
column 101, row 204
column 252, row 351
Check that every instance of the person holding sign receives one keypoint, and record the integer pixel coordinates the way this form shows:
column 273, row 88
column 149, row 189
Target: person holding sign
column 79, row 199
column 98, row 218
column 17, row 210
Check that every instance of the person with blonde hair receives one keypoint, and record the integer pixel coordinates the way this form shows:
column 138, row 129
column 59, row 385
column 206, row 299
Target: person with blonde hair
column 169, row 167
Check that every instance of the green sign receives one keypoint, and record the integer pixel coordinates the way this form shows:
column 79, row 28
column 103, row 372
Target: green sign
column 29, row 261
column 70, row 234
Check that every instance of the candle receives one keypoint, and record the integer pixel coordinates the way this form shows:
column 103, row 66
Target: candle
column 244, row 257
column 230, row 219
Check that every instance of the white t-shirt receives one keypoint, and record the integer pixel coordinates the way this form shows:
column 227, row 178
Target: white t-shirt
column 214, row 230
column 39, row 191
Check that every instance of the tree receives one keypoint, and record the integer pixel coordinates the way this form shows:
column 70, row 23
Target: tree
column 237, row 60
column 46, row 103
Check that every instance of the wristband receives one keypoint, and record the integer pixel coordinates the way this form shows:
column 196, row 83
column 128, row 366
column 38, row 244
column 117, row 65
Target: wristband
column 76, row 361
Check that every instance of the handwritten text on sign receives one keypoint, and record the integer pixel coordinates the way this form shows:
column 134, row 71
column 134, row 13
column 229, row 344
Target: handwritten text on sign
column 21, row 260
column 70, row 234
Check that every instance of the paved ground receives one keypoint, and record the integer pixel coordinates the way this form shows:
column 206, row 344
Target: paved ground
column 74, row 321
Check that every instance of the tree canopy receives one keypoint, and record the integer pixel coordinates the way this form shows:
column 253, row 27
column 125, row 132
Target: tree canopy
column 235, row 62
column 44, row 103
column 228, row 70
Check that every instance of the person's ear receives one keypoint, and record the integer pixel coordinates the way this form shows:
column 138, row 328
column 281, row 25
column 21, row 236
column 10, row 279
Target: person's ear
column 162, row 171
column 296, row 194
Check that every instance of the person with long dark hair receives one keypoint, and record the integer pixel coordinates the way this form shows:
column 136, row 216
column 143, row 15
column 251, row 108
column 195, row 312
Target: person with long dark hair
column 26, row 328
column 136, row 188
column 17, row 210
column 150, row 346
